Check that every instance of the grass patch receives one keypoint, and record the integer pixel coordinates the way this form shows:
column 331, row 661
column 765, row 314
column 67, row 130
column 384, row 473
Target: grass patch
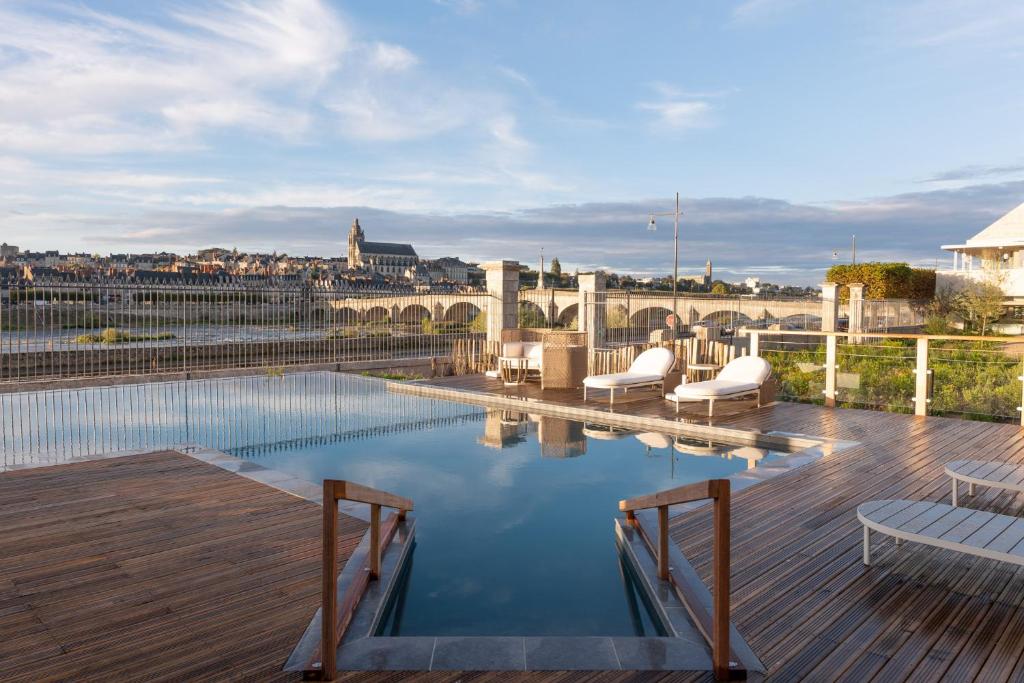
column 112, row 335
column 397, row 376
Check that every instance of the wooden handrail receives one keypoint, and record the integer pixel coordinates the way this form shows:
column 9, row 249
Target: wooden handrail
column 333, row 624
column 719, row 490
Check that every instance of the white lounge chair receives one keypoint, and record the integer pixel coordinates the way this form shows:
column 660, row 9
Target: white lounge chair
column 647, row 370
column 972, row 532
column 741, row 376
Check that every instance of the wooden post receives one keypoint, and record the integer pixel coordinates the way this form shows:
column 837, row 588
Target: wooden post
column 720, row 570
column 830, row 370
column 375, row 541
column 1021, row 378
column 329, row 580
column 755, row 339
column 663, row 542
column 921, row 384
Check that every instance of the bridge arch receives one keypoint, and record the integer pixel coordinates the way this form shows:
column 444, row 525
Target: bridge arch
column 377, row 314
column 650, row 318
column 616, row 317
column 531, row 315
column 414, row 313
column 568, row 315
column 346, row 316
column 461, row 312
column 727, row 319
column 800, row 321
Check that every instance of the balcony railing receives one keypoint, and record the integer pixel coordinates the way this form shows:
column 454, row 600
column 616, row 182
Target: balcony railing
column 971, row 376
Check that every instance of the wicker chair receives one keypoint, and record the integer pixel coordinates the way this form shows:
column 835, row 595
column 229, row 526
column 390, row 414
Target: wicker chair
column 564, row 363
column 563, row 358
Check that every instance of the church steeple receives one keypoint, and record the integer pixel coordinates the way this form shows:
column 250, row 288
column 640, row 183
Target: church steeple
column 355, row 241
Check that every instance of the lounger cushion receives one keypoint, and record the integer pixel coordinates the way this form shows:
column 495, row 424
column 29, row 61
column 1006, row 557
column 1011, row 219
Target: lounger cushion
column 621, row 379
column 746, row 369
column 714, row 388
column 656, row 361
column 512, row 349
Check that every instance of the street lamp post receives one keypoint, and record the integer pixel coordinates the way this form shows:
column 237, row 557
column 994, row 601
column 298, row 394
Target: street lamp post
column 652, row 226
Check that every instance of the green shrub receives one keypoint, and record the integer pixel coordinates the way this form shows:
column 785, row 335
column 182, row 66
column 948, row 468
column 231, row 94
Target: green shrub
column 884, row 280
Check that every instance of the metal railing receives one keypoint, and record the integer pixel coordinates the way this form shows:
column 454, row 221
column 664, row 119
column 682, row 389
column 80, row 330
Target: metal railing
column 631, row 317
column 266, row 414
column 63, row 330
column 970, row 376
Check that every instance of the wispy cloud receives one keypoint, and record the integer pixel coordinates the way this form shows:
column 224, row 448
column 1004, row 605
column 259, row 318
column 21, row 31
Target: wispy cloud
column 991, row 24
column 753, row 10
column 461, row 6
column 973, row 173
column 393, row 57
column 677, row 108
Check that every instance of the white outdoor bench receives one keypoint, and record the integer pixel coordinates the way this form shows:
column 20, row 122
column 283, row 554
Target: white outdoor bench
column 973, row 532
column 995, row 474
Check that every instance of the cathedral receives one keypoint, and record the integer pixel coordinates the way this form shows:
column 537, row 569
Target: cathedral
column 386, row 258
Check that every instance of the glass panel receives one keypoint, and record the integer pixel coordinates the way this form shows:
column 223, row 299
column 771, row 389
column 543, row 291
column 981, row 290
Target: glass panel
column 877, row 373
column 798, row 365
column 978, row 380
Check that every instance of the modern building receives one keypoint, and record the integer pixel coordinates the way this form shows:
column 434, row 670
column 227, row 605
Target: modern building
column 995, row 255
column 386, row 258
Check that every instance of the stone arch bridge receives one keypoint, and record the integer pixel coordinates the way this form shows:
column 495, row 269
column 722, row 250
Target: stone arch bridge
column 560, row 308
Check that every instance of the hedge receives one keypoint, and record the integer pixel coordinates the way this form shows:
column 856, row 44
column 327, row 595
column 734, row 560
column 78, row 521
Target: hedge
column 884, row 280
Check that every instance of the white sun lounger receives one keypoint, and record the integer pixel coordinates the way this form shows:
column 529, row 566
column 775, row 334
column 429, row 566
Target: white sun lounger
column 741, row 376
column 972, row 532
column 647, row 370
column 1000, row 475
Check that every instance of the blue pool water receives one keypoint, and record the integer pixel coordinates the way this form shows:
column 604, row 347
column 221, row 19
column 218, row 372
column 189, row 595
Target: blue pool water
column 514, row 511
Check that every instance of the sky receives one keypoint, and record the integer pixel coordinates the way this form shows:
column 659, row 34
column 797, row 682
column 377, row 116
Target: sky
column 491, row 129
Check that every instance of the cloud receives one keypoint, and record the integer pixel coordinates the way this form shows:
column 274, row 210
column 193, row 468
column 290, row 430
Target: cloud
column 680, row 109
column 513, row 75
column 734, row 232
column 679, row 114
column 393, row 57
column 80, row 82
column 461, row 6
column 752, row 10
column 83, row 82
column 988, row 24
column 974, row 173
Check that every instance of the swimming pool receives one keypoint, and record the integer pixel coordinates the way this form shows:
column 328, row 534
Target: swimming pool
column 514, row 510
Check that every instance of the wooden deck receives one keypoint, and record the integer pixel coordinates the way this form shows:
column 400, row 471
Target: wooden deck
column 156, row 567
column 162, row 567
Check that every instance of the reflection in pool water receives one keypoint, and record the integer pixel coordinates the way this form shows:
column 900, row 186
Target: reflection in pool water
column 514, row 510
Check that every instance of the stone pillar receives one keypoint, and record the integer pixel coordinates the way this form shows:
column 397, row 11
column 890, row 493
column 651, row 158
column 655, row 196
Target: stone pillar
column 829, row 306
column 856, row 310
column 503, row 286
column 592, row 307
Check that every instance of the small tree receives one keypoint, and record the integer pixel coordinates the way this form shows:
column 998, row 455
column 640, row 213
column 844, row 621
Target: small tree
column 719, row 288
column 982, row 303
column 556, row 268
column 479, row 323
